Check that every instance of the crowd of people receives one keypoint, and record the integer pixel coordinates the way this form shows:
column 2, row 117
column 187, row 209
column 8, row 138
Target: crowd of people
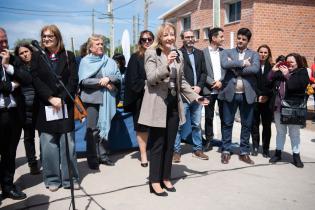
column 163, row 87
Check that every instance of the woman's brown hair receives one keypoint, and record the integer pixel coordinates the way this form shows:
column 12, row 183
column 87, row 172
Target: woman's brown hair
column 269, row 52
column 298, row 59
column 55, row 30
column 140, row 49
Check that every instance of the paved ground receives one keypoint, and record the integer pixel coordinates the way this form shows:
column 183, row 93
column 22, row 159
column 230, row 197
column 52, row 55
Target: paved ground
column 200, row 184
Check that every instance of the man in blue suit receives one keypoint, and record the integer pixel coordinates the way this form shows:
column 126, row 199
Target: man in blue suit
column 239, row 91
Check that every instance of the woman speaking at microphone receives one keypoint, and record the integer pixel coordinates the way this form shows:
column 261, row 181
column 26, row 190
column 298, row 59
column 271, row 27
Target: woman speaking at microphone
column 162, row 106
column 51, row 96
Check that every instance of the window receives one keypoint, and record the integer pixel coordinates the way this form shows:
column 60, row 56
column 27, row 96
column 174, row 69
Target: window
column 197, row 34
column 206, row 33
column 233, row 11
column 186, row 23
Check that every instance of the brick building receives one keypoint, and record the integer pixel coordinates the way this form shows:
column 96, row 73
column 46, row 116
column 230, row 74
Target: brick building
column 285, row 25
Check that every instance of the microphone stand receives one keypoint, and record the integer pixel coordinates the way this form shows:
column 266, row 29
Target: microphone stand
column 70, row 171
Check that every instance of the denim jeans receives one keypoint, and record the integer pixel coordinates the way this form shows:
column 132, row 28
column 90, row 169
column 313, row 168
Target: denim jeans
column 246, row 113
column 54, row 159
column 294, row 133
column 194, row 111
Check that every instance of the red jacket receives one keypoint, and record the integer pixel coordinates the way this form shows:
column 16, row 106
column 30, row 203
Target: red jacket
column 312, row 77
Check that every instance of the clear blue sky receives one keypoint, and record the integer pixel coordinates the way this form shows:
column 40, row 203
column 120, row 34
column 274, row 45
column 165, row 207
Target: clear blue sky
column 22, row 19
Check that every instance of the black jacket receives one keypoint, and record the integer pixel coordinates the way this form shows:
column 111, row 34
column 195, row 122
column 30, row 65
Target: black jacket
column 134, row 82
column 263, row 84
column 199, row 66
column 27, row 90
column 295, row 86
column 21, row 77
column 46, row 85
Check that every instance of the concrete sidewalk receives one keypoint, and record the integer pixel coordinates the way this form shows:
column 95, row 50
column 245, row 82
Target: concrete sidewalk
column 200, row 184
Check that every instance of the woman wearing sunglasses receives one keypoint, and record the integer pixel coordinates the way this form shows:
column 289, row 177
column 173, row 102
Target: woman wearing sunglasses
column 134, row 90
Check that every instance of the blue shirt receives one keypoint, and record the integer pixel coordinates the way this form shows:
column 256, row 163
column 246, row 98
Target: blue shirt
column 192, row 61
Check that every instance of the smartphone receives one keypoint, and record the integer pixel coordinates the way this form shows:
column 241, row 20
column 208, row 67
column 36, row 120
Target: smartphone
column 203, row 98
column 284, row 63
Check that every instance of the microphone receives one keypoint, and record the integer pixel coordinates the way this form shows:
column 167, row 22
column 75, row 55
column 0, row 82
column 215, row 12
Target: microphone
column 37, row 46
column 173, row 48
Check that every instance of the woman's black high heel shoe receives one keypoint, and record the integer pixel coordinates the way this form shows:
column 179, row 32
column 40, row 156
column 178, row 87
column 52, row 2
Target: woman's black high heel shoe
column 144, row 164
column 163, row 194
column 172, row 189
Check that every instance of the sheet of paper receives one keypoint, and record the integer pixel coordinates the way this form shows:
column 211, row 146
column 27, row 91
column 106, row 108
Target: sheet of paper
column 52, row 114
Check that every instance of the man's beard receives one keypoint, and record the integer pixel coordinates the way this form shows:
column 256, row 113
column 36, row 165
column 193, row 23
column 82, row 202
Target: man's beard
column 189, row 44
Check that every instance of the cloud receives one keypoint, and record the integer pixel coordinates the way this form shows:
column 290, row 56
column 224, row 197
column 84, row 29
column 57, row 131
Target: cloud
column 31, row 29
column 160, row 4
column 92, row 2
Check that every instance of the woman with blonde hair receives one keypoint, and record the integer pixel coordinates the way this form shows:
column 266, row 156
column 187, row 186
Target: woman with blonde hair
column 162, row 106
column 99, row 78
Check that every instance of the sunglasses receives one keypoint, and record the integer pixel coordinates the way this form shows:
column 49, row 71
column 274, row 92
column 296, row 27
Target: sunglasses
column 145, row 40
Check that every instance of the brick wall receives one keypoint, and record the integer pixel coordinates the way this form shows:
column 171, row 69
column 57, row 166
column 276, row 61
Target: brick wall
column 285, row 25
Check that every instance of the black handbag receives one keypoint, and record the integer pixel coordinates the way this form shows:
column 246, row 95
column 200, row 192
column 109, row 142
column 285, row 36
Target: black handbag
column 293, row 111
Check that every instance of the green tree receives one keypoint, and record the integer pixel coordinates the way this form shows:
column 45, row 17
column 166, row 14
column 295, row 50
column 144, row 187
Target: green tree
column 19, row 41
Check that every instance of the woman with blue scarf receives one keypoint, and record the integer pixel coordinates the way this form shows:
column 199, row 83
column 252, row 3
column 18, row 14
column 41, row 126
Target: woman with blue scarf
column 99, row 78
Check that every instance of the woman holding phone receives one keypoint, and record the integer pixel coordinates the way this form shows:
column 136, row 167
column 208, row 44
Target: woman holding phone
column 162, row 106
column 290, row 79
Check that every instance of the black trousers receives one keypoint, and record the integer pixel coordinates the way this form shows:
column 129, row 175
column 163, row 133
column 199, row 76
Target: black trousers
column 29, row 143
column 209, row 114
column 161, row 151
column 10, row 132
column 263, row 114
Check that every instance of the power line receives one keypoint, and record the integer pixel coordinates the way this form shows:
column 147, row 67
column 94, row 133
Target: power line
column 52, row 11
column 121, row 6
column 45, row 15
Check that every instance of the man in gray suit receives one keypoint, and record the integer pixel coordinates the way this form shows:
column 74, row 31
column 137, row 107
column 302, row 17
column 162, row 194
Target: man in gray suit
column 239, row 91
column 215, row 75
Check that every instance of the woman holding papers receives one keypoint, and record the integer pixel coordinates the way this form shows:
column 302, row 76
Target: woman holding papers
column 56, row 62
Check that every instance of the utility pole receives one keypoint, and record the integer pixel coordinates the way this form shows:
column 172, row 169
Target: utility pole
column 146, row 14
column 93, row 21
column 133, row 30
column 138, row 27
column 72, row 45
column 112, row 32
column 216, row 13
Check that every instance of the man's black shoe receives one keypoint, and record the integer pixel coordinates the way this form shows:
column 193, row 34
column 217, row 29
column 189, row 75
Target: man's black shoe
column 14, row 194
column 208, row 146
column 255, row 152
column 266, row 154
column 106, row 161
column 34, row 170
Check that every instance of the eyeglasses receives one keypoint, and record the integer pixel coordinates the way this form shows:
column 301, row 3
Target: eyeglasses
column 48, row 36
column 145, row 40
column 189, row 37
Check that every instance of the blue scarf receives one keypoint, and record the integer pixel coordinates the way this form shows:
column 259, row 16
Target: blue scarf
column 89, row 66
